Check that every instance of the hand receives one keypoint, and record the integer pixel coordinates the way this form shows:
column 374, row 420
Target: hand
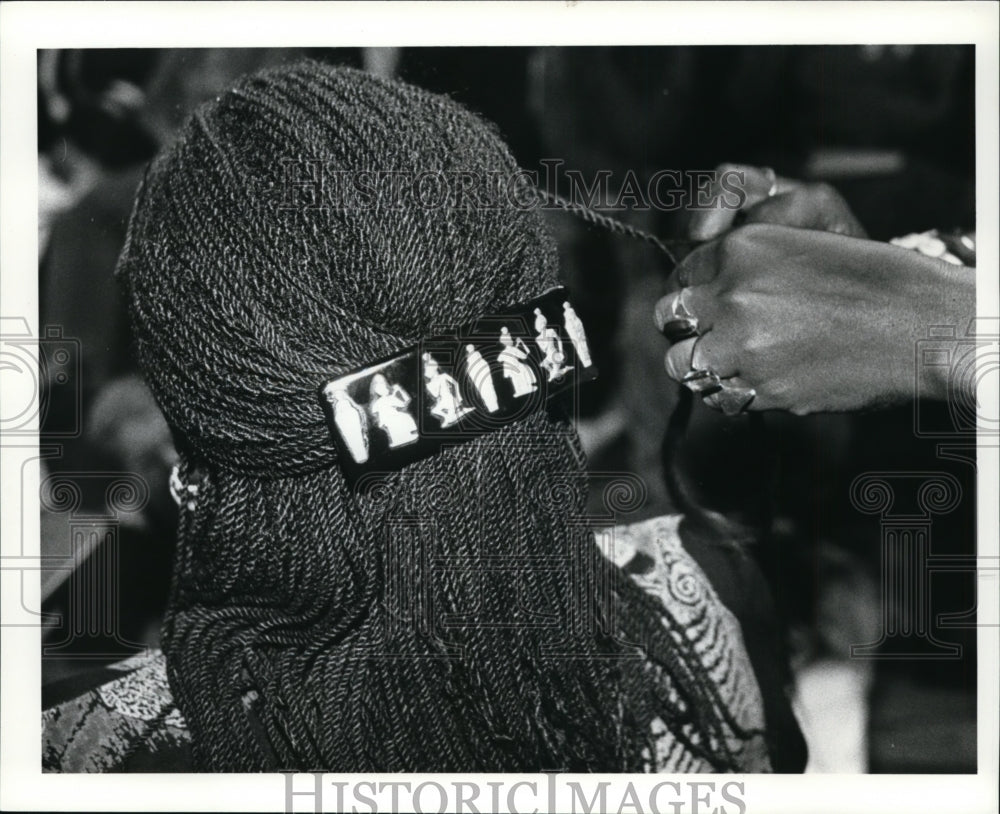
column 812, row 321
column 773, row 199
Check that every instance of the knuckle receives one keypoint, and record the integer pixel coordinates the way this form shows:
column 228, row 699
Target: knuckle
column 825, row 193
column 735, row 245
column 755, row 349
column 730, row 244
column 754, row 233
column 725, row 300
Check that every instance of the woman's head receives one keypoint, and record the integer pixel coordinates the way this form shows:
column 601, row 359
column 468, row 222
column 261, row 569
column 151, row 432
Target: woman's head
column 418, row 625
column 306, row 222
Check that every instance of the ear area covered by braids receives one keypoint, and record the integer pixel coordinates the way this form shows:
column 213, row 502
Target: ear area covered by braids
column 418, row 626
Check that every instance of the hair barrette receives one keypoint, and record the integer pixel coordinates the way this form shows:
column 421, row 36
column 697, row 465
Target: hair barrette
column 456, row 385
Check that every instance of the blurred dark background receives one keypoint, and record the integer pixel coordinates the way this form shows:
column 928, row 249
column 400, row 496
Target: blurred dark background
column 892, row 127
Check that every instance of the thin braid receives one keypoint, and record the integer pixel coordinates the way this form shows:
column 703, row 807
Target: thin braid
column 618, row 227
column 681, row 659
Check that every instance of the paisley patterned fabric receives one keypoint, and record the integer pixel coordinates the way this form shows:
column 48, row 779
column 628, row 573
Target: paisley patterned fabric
column 653, row 555
column 130, row 723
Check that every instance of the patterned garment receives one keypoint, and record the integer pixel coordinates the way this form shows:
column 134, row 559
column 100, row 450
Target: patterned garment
column 653, row 555
column 130, row 723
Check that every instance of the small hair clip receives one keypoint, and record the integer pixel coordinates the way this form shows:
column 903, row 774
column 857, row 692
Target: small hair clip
column 183, row 493
column 456, row 386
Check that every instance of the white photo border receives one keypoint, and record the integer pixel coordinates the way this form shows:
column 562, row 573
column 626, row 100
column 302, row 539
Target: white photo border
column 26, row 27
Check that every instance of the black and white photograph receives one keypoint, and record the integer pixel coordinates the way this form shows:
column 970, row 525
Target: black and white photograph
column 399, row 418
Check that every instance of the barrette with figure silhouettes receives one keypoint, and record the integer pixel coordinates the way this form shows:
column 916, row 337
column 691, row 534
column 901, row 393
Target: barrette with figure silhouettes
column 457, row 385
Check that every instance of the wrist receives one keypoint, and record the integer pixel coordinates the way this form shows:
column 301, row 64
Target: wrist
column 944, row 305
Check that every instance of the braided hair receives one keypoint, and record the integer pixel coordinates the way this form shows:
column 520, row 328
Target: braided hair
column 415, row 626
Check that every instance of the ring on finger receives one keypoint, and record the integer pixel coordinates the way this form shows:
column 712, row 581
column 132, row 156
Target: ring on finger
column 730, row 399
column 682, row 324
column 702, row 381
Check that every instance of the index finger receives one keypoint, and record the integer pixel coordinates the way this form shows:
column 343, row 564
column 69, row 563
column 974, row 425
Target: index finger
column 699, row 267
column 735, row 187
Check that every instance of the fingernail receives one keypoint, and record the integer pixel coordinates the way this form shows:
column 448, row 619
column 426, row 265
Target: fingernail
column 680, row 328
